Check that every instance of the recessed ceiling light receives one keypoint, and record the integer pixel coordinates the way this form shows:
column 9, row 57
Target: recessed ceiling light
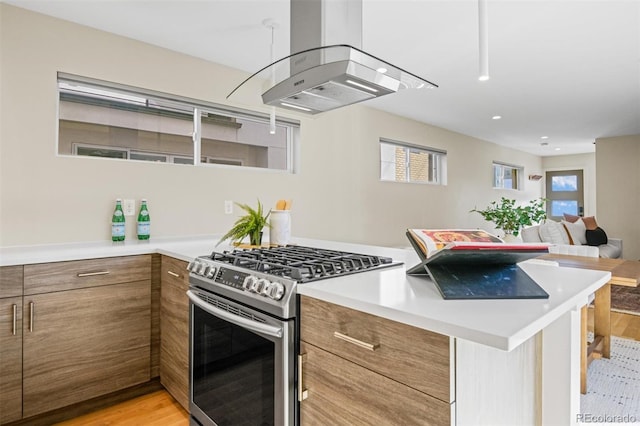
column 557, row 149
column 382, row 70
column 483, row 78
column 544, row 137
column 496, row 117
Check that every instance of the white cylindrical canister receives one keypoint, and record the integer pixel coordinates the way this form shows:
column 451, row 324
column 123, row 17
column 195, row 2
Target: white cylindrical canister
column 280, row 230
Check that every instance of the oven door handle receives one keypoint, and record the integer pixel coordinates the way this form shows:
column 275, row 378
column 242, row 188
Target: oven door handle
column 269, row 330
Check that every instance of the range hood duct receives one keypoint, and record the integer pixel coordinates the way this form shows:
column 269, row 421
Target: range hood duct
column 324, row 73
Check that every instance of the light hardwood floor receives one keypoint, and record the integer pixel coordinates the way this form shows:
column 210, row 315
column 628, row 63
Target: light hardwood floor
column 159, row 408
column 154, row 409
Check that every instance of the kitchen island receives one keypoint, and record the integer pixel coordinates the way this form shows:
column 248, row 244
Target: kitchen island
column 514, row 361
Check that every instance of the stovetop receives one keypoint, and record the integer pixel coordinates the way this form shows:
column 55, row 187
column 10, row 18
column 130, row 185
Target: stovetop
column 300, row 263
column 265, row 278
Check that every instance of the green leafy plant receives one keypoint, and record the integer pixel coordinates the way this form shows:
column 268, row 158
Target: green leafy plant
column 511, row 218
column 250, row 224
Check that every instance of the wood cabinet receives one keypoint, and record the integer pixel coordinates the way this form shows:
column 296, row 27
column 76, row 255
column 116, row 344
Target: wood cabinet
column 10, row 343
column 359, row 369
column 174, row 329
column 86, row 330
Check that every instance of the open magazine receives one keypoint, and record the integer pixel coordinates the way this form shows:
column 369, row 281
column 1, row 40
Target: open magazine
column 474, row 264
column 430, row 241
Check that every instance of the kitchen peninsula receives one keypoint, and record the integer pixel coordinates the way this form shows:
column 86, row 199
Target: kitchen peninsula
column 509, row 361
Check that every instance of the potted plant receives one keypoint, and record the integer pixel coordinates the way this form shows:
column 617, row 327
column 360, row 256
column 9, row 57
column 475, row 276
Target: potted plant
column 511, row 218
column 250, row 224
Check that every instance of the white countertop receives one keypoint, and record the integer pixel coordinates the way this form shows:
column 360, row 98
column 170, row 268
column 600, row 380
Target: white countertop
column 389, row 293
column 181, row 248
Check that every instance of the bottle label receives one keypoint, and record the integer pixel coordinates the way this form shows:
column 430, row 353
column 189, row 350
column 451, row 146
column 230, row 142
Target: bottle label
column 117, row 229
column 144, row 228
column 117, row 213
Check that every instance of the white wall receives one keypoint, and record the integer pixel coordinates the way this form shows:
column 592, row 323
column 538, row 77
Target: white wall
column 618, row 185
column 337, row 194
column 584, row 162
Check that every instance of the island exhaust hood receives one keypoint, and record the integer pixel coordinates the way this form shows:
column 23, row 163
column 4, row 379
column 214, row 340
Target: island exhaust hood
column 320, row 75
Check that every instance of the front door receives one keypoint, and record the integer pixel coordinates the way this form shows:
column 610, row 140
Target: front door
column 565, row 193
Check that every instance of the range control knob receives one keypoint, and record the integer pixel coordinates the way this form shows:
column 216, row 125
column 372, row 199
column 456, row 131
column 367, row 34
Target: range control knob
column 193, row 265
column 212, row 272
column 249, row 282
column 260, row 285
column 204, row 269
column 276, row 291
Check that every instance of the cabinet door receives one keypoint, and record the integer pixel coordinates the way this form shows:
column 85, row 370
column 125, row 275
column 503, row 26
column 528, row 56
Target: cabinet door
column 174, row 329
column 79, row 344
column 343, row 393
column 11, row 359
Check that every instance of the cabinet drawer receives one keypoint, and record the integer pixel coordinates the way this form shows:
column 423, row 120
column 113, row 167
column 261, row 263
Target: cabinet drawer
column 10, row 281
column 340, row 392
column 58, row 276
column 409, row 355
column 175, row 271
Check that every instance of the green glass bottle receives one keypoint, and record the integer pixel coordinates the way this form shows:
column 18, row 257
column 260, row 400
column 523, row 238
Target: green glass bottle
column 117, row 223
column 144, row 221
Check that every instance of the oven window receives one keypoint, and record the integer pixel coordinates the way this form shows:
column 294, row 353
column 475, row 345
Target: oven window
column 233, row 372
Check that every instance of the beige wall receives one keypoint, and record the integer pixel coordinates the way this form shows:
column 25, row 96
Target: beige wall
column 618, row 186
column 46, row 198
column 584, row 162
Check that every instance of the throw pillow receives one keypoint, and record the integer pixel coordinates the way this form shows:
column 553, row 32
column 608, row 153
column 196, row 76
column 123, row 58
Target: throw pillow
column 576, row 232
column 596, row 237
column 589, row 222
column 570, row 217
column 553, row 232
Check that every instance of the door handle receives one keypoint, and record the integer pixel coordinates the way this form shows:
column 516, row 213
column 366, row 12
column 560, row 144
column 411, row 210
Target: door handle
column 15, row 318
column 302, row 392
column 31, row 309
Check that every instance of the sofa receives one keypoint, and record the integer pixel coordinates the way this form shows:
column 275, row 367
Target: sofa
column 570, row 234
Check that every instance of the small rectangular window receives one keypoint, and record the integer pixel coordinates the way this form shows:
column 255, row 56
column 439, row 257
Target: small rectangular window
column 560, row 207
column 109, row 120
column 564, row 183
column 401, row 162
column 506, row 176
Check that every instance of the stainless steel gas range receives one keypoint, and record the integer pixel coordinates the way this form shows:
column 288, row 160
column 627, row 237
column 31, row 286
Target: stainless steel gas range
column 244, row 329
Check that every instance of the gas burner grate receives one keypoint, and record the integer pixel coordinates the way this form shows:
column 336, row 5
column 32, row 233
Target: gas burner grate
column 301, row 263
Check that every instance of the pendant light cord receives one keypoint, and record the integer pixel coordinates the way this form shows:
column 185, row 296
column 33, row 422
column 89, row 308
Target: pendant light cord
column 483, row 40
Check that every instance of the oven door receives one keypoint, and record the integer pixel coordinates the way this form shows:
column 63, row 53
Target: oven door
column 241, row 364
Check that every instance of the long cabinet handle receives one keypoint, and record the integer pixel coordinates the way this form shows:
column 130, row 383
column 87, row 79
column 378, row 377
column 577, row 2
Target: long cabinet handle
column 92, row 274
column 15, row 318
column 365, row 345
column 173, row 274
column 31, row 309
column 302, row 392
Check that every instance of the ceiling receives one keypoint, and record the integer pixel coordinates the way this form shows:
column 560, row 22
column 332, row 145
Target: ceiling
column 568, row 70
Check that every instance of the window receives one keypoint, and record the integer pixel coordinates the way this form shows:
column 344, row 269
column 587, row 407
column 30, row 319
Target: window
column 108, row 120
column 506, row 176
column 401, row 162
